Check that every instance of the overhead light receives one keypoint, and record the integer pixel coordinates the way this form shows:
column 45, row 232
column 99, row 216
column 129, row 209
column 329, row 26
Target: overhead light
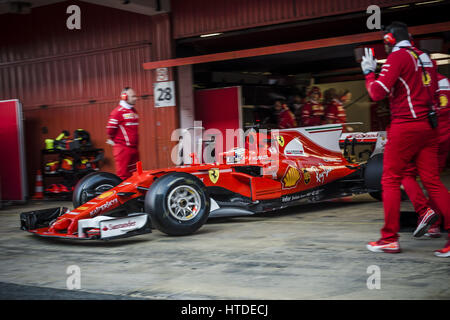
column 441, row 62
column 398, row 7
column 428, row 2
column 210, row 35
column 438, row 56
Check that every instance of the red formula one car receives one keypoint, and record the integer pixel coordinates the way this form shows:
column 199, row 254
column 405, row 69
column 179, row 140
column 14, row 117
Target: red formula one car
column 274, row 170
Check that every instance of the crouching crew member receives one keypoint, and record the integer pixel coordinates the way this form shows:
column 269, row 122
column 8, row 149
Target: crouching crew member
column 122, row 130
column 409, row 77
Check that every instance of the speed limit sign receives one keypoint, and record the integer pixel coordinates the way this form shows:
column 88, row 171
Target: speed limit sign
column 164, row 93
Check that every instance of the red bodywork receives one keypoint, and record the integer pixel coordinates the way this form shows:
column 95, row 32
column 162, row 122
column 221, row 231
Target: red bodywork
column 284, row 171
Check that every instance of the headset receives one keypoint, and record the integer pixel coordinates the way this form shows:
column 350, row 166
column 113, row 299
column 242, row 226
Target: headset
column 389, row 39
column 123, row 94
column 392, row 31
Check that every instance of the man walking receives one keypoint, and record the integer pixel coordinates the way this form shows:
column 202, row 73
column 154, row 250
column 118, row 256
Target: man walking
column 409, row 77
column 122, row 130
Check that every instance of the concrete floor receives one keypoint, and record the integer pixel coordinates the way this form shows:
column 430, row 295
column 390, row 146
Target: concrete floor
column 315, row 251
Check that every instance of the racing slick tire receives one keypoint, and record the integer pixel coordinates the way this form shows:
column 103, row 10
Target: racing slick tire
column 377, row 195
column 178, row 204
column 92, row 185
column 372, row 177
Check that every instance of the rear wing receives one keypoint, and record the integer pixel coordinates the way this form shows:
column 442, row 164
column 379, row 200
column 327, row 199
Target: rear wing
column 376, row 138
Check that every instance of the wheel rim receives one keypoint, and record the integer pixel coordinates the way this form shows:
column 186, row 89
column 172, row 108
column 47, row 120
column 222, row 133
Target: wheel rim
column 86, row 196
column 184, row 203
column 104, row 187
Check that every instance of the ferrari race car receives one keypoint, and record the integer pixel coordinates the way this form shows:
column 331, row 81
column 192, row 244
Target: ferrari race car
column 273, row 170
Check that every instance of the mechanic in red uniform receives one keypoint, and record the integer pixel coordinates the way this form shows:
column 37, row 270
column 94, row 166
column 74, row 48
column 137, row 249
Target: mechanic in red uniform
column 286, row 118
column 411, row 137
column 313, row 111
column 122, row 130
column 421, row 205
column 335, row 111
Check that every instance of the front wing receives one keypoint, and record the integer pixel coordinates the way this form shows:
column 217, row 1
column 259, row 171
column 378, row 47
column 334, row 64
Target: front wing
column 98, row 228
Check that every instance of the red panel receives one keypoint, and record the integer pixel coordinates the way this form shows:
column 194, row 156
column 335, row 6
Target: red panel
column 97, row 76
column 218, row 109
column 10, row 168
column 196, row 17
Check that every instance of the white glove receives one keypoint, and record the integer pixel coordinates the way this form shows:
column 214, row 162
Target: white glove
column 110, row 142
column 368, row 63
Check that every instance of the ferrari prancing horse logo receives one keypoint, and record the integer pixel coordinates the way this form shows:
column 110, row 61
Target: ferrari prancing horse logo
column 280, row 140
column 214, row 175
column 306, row 176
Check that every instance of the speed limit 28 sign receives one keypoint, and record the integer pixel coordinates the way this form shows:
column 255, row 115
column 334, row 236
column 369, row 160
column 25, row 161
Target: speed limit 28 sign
column 164, row 94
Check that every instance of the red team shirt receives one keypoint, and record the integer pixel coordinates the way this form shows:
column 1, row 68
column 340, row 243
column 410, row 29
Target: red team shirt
column 312, row 113
column 286, row 119
column 335, row 112
column 402, row 78
column 122, row 125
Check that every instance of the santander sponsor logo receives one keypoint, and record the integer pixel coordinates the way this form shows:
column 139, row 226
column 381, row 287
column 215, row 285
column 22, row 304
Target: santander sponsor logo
column 119, row 226
column 103, row 207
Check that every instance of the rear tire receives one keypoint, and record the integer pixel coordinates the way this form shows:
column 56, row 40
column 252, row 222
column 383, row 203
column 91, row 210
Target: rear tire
column 372, row 177
column 92, row 185
column 178, row 204
column 377, row 195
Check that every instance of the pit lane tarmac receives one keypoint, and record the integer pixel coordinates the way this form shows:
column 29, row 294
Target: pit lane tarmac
column 314, row 251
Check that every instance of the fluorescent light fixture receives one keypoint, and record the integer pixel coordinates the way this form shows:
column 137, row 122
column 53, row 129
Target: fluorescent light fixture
column 438, row 56
column 441, row 62
column 210, row 35
column 428, row 2
column 398, row 7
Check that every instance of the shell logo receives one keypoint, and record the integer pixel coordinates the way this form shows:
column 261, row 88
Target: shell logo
column 291, row 177
column 106, row 194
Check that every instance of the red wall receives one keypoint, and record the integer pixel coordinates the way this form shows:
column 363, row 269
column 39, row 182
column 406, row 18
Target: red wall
column 78, row 75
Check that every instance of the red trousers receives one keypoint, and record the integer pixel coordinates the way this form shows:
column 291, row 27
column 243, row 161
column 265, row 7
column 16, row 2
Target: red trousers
column 125, row 158
column 415, row 142
column 412, row 187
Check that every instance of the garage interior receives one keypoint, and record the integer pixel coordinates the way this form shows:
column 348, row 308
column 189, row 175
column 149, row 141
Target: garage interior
column 314, row 252
column 290, row 73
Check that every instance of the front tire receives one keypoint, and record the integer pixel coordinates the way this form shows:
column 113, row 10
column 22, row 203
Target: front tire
column 93, row 185
column 177, row 203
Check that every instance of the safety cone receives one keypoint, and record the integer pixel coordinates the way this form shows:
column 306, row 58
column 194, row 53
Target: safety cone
column 39, row 187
